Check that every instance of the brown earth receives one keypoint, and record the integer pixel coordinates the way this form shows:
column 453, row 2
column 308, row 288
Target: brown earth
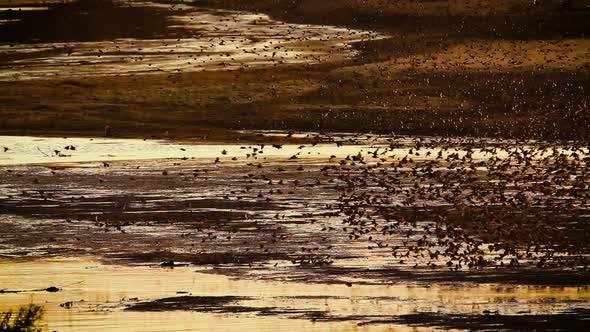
column 491, row 68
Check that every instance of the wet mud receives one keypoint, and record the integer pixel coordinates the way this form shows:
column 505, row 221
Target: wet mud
column 155, row 38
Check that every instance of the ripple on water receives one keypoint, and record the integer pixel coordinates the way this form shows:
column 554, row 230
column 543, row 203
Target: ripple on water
column 100, row 293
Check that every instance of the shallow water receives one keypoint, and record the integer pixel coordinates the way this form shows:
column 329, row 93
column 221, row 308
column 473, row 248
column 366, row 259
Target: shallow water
column 223, row 40
column 246, row 225
column 100, row 293
column 44, row 150
column 21, row 8
column 22, row 150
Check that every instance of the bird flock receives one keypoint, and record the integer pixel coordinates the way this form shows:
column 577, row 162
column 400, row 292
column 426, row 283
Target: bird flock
column 212, row 40
column 455, row 203
column 395, row 201
column 470, row 205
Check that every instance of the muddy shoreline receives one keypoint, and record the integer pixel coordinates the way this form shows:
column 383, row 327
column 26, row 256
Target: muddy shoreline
column 392, row 85
column 249, row 211
column 190, row 296
column 577, row 319
column 258, row 239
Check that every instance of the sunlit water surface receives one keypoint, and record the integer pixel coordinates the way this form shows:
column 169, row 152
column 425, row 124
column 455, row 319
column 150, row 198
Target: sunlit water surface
column 222, row 40
column 99, row 293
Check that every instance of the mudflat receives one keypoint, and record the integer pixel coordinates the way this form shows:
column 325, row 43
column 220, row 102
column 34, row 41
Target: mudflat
column 493, row 68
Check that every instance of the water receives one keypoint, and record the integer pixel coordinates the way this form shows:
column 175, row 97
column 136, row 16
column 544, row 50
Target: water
column 22, row 150
column 100, row 293
column 246, row 226
column 51, row 150
column 223, row 40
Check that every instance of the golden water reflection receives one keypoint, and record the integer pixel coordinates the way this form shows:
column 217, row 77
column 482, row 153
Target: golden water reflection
column 99, row 294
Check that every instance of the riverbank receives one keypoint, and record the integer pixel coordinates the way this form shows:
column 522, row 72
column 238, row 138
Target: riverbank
column 506, row 73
